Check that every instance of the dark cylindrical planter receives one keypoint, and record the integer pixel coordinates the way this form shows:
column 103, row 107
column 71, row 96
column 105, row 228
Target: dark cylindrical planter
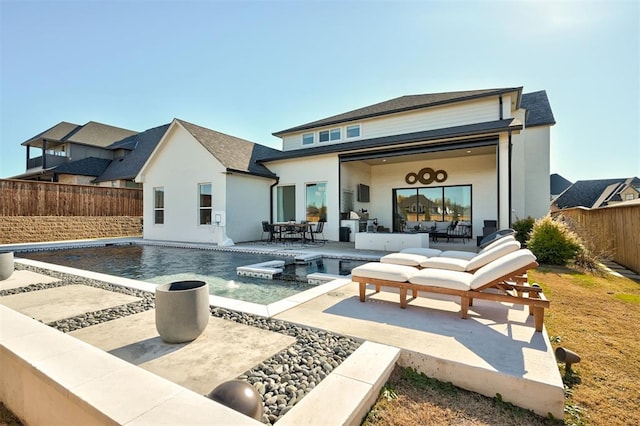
column 6, row 264
column 182, row 310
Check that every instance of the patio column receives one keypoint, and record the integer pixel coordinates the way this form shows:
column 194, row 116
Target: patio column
column 503, row 181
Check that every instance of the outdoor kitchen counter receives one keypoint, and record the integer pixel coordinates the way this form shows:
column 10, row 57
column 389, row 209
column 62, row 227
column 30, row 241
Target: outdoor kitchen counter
column 385, row 241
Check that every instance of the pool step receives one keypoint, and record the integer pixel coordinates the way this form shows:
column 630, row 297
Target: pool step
column 307, row 258
column 321, row 278
column 262, row 270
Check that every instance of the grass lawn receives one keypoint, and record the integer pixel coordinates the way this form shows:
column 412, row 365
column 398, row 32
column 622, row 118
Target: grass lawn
column 598, row 317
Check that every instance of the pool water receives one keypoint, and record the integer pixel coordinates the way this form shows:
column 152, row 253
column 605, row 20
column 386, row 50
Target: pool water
column 160, row 265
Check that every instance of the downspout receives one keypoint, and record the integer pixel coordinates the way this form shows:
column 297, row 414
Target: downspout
column 44, row 154
column 501, row 110
column 510, row 188
column 271, row 199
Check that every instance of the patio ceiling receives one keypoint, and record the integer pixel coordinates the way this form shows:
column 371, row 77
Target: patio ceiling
column 429, row 156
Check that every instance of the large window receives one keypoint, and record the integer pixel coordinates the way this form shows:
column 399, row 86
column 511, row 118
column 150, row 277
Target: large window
column 442, row 203
column 158, row 205
column 317, row 202
column 329, row 135
column 286, row 203
column 204, row 203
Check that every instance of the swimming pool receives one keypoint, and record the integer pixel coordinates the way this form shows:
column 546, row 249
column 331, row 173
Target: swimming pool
column 160, row 265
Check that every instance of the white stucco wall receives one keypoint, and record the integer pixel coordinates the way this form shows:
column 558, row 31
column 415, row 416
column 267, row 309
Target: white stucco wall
column 179, row 165
column 477, row 171
column 530, row 171
column 248, row 203
column 352, row 174
column 301, row 171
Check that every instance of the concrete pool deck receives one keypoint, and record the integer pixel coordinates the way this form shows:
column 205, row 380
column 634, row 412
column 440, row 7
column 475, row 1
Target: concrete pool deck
column 495, row 351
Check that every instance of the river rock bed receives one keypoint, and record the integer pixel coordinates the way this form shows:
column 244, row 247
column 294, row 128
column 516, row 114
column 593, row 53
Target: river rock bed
column 281, row 380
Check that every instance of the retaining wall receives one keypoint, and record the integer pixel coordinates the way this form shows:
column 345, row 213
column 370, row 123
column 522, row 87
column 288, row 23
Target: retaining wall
column 31, row 229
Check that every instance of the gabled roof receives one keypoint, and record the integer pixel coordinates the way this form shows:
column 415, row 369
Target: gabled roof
column 558, row 184
column 401, row 104
column 90, row 166
column 593, row 193
column 141, row 146
column 92, row 133
column 538, row 109
column 234, row 153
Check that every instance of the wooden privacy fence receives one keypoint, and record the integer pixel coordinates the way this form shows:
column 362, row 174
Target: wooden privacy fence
column 32, row 198
column 614, row 229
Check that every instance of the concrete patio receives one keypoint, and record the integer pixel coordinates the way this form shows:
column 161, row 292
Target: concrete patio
column 495, row 351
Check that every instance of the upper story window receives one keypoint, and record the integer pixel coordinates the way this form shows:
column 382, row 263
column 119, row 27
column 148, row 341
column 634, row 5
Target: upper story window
column 205, row 204
column 307, row 139
column 629, row 197
column 158, row 205
column 353, row 131
column 329, row 135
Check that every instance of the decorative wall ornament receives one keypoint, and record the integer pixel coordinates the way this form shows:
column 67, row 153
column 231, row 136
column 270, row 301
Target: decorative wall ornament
column 426, row 176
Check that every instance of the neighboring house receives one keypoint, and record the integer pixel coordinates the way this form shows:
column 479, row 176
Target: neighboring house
column 558, row 184
column 196, row 179
column 598, row 193
column 482, row 155
column 70, row 153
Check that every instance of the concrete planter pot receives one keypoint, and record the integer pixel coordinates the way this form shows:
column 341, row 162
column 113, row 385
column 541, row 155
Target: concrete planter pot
column 182, row 310
column 6, row 264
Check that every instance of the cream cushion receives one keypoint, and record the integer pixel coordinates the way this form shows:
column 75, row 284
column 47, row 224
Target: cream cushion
column 502, row 266
column 384, row 271
column 443, row 278
column 428, row 252
column 407, row 259
column 481, row 259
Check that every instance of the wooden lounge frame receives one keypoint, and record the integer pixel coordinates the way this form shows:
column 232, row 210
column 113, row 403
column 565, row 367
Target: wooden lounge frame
column 510, row 288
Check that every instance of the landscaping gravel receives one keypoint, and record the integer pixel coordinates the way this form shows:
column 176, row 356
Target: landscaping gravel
column 281, row 380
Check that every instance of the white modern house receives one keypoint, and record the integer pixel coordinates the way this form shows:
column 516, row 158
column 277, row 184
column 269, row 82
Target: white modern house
column 408, row 162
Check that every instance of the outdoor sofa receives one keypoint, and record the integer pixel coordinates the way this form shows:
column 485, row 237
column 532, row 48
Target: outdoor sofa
column 501, row 280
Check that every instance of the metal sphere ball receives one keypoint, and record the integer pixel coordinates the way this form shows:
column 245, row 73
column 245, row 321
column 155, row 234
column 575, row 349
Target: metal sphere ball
column 240, row 396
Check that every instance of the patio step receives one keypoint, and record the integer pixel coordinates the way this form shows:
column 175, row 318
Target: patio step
column 345, row 396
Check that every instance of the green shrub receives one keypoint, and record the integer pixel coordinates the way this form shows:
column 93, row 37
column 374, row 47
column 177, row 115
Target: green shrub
column 523, row 229
column 553, row 242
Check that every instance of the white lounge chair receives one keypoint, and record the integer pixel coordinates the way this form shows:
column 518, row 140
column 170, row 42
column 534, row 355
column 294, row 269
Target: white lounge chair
column 501, row 280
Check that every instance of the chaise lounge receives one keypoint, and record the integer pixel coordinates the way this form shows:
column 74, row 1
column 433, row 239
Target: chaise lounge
column 502, row 280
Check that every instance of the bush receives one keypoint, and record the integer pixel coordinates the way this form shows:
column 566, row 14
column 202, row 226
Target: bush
column 553, row 242
column 523, row 229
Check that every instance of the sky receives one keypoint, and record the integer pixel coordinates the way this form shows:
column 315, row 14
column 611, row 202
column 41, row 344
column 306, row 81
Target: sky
column 251, row 68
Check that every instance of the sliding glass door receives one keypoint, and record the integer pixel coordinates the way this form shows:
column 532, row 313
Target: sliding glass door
column 441, row 203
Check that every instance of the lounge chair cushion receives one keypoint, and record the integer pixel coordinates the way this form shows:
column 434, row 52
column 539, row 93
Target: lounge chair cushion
column 502, row 266
column 448, row 263
column 428, row 252
column 458, row 254
column 407, row 259
column 481, row 259
column 384, row 271
column 443, row 278
column 502, row 240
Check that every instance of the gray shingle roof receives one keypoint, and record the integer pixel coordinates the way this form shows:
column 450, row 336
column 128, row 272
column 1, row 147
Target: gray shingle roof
column 234, row 153
column 142, row 145
column 558, row 184
column 92, row 133
column 90, row 166
column 56, row 133
column 592, row 193
column 403, row 103
column 538, row 109
column 478, row 129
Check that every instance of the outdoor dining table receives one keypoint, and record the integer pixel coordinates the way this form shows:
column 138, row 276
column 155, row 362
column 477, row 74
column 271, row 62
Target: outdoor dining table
column 303, row 228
